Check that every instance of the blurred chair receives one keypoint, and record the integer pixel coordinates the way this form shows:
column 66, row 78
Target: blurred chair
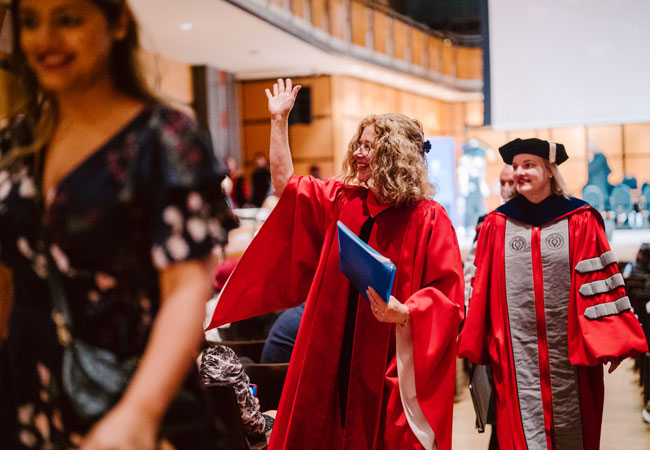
column 224, row 404
column 253, row 328
column 269, row 379
column 595, row 196
column 621, row 203
column 246, row 349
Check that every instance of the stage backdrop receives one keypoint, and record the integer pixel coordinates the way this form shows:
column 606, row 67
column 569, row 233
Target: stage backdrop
column 557, row 63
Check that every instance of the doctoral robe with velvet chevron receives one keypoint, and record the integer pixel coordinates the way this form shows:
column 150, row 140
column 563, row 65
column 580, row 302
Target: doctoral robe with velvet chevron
column 547, row 309
column 295, row 257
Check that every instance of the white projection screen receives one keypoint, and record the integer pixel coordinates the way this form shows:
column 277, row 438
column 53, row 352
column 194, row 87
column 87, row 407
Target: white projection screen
column 557, row 63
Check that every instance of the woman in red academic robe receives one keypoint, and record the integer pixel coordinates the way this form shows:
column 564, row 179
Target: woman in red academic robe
column 363, row 374
column 547, row 309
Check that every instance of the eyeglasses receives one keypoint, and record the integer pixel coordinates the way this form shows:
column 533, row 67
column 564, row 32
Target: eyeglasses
column 366, row 148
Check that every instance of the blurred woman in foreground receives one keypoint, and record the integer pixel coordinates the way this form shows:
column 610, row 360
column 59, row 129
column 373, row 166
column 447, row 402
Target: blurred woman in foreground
column 118, row 204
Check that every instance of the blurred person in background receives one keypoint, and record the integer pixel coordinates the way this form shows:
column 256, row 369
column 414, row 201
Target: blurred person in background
column 507, row 183
column 278, row 345
column 234, row 184
column 118, row 203
column 260, row 181
column 314, row 171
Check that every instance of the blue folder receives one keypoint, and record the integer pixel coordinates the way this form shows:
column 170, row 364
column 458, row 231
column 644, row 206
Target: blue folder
column 363, row 265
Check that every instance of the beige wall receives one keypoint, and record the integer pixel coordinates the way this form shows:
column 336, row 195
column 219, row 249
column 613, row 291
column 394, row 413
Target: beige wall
column 170, row 80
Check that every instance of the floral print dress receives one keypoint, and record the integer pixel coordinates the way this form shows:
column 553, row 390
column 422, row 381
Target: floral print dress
column 147, row 198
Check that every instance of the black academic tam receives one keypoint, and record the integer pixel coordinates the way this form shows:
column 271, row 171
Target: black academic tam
column 550, row 151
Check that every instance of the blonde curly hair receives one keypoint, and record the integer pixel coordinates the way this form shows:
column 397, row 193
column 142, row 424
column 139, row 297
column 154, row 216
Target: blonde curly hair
column 399, row 170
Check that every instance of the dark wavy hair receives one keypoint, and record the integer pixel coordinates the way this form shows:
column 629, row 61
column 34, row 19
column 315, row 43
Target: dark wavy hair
column 26, row 96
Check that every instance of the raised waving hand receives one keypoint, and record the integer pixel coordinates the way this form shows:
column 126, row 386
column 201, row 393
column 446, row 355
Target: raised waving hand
column 280, row 104
column 282, row 99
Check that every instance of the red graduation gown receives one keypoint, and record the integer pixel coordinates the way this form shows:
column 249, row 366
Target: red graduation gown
column 547, row 309
column 295, row 257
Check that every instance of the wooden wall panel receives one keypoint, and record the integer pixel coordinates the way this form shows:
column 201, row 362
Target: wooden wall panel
column 522, row 134
column 423, row 107
column 543, row 134
column 387, row 101
column 474, row 114
column 469, row 63
column 319, row 14
column 453, row 118
column 637, row 139
column 254, row 101
column 347, row 127
column 400, row 39
column 573, row 139
column 406, row 103
column 313, row 140
column 348, row 96
column 431, row 117
column 300, row 9
column 338, row 19
column 574, row 173
column 380, row 41
column 418, row 41
column 367, row 94
column 256, row 139
column 448, row 58
column 636, row 165
column 608, row 138
column 359, row 22
column 434, row 47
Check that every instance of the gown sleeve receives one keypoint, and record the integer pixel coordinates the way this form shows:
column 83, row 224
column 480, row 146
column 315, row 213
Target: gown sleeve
column 602, row 326
column 426, row 347
column 473, row 343
column 278, row 266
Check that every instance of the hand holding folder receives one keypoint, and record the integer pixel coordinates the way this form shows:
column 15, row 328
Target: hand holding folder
column 363, row 265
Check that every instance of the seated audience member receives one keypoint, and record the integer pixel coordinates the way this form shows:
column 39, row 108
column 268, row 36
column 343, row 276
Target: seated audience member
column 220, row 364
column 637, row 285
column 282, row 337
column 641, row 266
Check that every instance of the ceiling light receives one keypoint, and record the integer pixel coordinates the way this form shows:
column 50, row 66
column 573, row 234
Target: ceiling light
column 186, row 26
